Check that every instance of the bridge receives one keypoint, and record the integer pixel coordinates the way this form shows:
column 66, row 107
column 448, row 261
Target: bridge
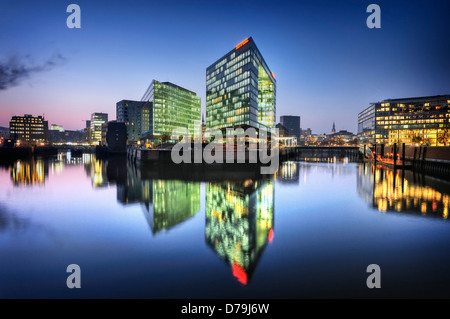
column 320, row 153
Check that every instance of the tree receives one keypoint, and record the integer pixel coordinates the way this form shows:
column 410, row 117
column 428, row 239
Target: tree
column 443, row 136
column 164, row 138
column 417, row 138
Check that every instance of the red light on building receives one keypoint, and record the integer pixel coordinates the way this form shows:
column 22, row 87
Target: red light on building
column 240, row 273
column 272, row 75
column 270, row 235
column 240, row 45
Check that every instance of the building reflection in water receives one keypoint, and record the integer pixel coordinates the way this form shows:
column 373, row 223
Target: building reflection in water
column 403, row 191
column 34, row 171
column 239, row 223
column 288, row 173
column 165, row 203
column 29, row 172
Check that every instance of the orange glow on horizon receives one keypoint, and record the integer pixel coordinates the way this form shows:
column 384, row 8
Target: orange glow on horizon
column 240, row 45
column 240, row 273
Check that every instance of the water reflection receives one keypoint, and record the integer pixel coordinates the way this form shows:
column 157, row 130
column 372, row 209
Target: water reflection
column 32, row 172
column 239, row 223
column 403, row 191
column 288, row 173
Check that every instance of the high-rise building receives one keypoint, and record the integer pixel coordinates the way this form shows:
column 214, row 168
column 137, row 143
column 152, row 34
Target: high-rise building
column 135, row 115
column 28, row 128
column 115, row 135
column 170, row 107
column 419, row 120
column 97, row 120
column 292, row 124
column 240, row 90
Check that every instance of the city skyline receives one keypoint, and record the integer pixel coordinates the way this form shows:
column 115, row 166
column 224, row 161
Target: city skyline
column 329, row 66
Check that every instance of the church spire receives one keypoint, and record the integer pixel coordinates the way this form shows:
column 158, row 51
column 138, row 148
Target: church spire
column 333, row 130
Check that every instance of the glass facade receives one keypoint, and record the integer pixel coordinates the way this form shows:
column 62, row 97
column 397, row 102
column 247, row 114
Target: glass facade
column 135, row 115
column 171, row 106
column 240, row 90
column 292, row 124
column 413, row 121
column 366, row 125
column 97, row 121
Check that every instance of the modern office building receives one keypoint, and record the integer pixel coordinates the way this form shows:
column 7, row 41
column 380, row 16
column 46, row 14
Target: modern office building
column 135, row 115
column 240, row 90
column 97, row 120
column 419, row 120
column 28, row 128
column 115, row 136
column 170, row 107
column 292, row 124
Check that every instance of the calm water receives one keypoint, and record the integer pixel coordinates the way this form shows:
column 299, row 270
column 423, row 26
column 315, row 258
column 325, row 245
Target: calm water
column 309, row 231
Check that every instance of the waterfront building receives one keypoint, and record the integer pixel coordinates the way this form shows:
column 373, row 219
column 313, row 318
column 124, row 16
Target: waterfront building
column 240, row 90
column 97, row 120
column 56, row 127
column 413, row 121
column 170, row 107
column 135, row 115
column 28, row 128
column 115, row 136
column 292, row 124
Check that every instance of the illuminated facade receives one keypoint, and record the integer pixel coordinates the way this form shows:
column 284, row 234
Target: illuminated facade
column 97, row 121
column 136, row 116
column 171, row 106
column 28, row 128
column 239, row 223
column 413, row 121
column 240, row 90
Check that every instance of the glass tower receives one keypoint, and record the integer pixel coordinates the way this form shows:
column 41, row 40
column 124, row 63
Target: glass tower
column 97, row 120
column 240, row 90
column 171, row 106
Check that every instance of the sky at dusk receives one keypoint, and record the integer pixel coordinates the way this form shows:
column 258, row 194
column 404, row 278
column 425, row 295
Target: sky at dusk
column 328, row 64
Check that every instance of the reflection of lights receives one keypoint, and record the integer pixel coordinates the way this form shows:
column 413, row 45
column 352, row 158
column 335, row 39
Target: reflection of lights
column 240, row 273
column 270, row 235
column 391, row 193
column 423, row 208
column 28, row 173
column 239, row 222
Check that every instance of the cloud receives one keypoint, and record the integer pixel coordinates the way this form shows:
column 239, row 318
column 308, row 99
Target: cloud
column 16, row 69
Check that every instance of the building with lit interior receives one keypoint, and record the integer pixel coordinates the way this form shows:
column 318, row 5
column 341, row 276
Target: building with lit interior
column 135, row 115
column 240, row 90
column 413, row 121
column 97, row 120
column 170, row 107
column 28, row 128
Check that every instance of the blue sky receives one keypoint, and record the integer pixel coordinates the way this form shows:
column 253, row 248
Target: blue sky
column 328, row 64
